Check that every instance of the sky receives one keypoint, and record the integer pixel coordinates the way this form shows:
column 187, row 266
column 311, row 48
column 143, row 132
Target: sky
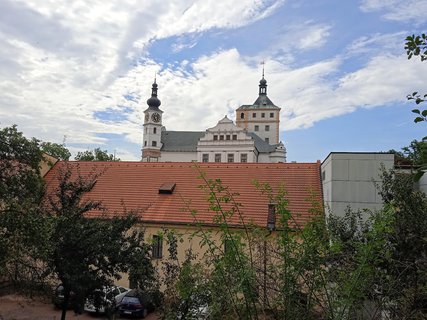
column 80, row 72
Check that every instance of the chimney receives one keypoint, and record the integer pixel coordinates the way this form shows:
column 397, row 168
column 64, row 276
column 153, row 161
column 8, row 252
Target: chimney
column 271, row 218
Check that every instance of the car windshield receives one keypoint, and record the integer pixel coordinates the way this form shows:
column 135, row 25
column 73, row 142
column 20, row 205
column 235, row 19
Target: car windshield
column 130, row 300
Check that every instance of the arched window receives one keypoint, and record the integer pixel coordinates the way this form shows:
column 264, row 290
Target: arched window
column 155, row 130
column 242, row 115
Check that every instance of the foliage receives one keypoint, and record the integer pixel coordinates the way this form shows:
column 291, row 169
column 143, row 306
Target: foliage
column 23, row 231
column 408, row 260
column 20, row 157
column 56, row 150
column 185, row 283
column 364, row 265
column 87, row 253
column 416, row 45
column 95, row 155
column 413, row 155
column 142, row 274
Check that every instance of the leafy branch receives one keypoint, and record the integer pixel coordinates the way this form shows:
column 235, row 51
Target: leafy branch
column 416, row 46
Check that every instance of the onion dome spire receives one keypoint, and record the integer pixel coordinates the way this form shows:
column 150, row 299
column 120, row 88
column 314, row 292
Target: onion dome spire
column 154, row 102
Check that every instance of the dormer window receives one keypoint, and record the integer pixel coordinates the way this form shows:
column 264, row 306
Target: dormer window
column 167, row 188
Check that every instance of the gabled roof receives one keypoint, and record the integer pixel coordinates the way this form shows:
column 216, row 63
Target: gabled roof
column 182, row 141
column 186, row 141
column 261, row 145
column 262, row 102
column 135, row 185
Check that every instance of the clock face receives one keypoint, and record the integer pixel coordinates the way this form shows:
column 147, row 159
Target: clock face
column 155, row 117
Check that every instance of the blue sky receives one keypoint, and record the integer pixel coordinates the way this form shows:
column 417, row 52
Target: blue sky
column 80, row 72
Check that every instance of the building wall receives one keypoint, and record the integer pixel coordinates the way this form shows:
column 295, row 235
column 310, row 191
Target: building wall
column 249, row 122
column 47, row 163
column 189, row 241
column 225, row 151
column 348, row 180
column 226, row 139
column 178, row 156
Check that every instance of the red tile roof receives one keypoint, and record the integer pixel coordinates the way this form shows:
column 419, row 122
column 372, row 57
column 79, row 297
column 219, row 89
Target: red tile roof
column 136, row 186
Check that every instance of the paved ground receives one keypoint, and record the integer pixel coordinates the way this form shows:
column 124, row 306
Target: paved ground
column 14, row 307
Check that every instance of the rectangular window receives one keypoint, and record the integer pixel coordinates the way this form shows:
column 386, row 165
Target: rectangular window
column 256, row 128
column 271, row 114
column 267, row 128
column 157, row 249
column 230, row 157
column 267, row 140
column 154, row 143
column 217, row 157
column 244, row 157
column 221, row 137
column 205, row 157
column 227, row 137
column 323, row 175
column 234, row 136
column 155, row 130
column 263, row 115
column 254, row 115
column 215, row 137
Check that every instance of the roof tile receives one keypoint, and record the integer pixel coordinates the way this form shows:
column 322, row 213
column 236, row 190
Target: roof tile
column 135, row 185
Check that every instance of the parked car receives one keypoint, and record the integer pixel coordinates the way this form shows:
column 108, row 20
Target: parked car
column 136, row 303
column 109, row 297
column 58, row 297
column 195, row 307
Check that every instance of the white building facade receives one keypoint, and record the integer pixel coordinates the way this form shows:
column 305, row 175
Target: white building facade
column 254, row 138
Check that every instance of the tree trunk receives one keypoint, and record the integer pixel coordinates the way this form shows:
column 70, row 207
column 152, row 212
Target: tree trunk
column 65, row 303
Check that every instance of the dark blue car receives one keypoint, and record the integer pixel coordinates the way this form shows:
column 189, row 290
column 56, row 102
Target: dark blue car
column 136, row 304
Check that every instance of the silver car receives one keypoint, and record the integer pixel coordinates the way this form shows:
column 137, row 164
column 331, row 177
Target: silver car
column 108, row 297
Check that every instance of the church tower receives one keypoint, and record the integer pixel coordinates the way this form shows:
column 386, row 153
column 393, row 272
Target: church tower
column 152, row 128
column 262, row 117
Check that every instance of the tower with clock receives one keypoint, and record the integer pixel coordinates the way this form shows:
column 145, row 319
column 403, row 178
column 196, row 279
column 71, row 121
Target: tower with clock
column 152, row 128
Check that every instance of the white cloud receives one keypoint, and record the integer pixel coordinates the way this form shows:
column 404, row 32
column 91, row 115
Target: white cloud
column 62, row 61
column 316, row 37
column 378, row 43
column 413, row 11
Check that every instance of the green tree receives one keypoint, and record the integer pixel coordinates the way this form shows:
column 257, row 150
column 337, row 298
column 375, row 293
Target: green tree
column 86, row 253
column 23, row 230
column 407, row 239
column 95, row 155
column 56, row 150
column 20, row 157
